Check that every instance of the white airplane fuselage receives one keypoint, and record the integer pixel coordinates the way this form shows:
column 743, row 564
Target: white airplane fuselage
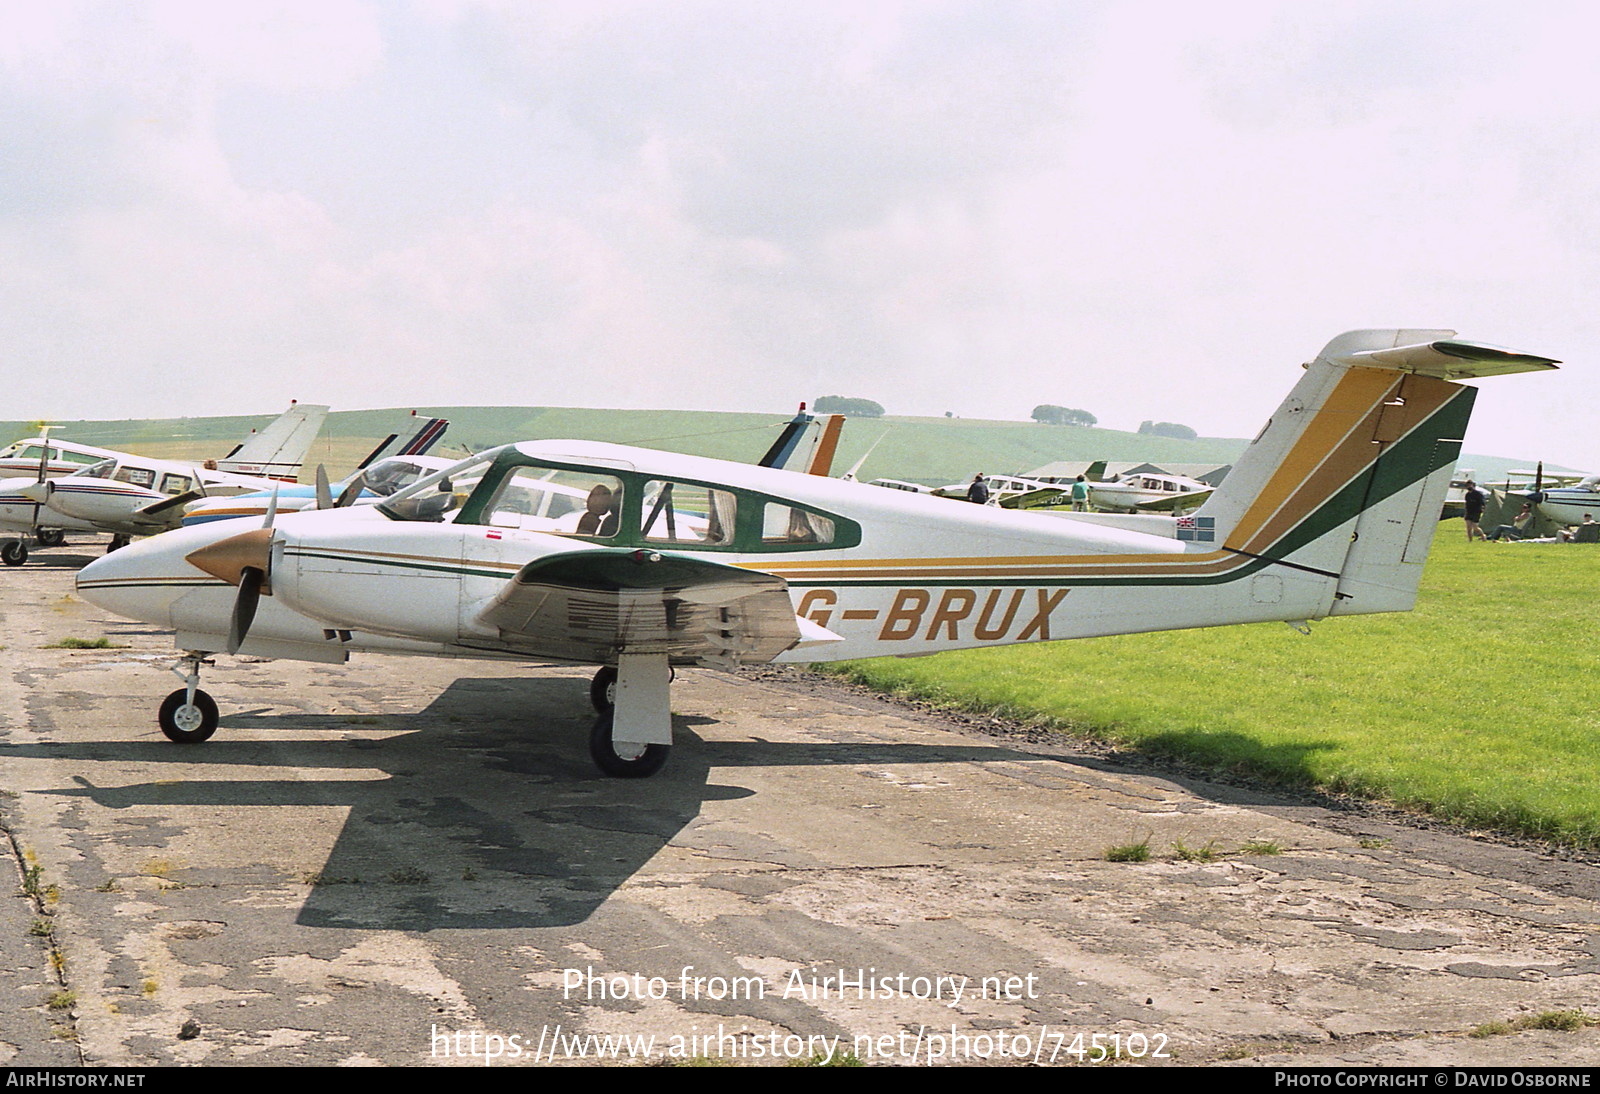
column 626, row 557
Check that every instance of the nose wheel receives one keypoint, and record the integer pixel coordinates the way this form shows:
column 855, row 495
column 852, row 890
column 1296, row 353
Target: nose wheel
column 188, row 715
column 188, row 719
column 13, row 552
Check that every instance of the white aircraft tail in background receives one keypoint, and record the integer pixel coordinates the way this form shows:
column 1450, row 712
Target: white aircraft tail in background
column 807, row 444
column 279, row 450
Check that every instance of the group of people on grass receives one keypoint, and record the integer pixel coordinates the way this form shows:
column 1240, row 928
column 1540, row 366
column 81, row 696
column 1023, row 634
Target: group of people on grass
column 1519, row 527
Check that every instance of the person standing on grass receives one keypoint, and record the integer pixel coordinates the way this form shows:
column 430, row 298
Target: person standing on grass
column 1474, row 500
column 1080, row 496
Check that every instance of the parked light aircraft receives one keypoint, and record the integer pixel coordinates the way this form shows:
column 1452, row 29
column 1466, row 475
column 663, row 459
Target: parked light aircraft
column 129, row 495
column 57, row 458
column 377, row 476
column 677, row 560
column 1570, row 504
column 1147, row 493
column 1008, row 491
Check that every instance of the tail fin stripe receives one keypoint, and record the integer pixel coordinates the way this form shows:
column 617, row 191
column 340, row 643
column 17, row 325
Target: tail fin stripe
column 1352, row 459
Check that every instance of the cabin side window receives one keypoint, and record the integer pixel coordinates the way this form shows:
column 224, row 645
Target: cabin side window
column 687, row 514
column 787, row 524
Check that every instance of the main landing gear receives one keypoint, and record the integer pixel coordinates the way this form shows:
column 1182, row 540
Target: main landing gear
column 633, row 734
column 189, row 715
column 118, row 542
column 50, row 537
column 13, row 552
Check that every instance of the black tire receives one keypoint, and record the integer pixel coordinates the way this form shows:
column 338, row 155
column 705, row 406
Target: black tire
column 118, row 543
column 14, row 552
column 50, row 537
column 185, row 724
column 603, row 689
column 604, row 753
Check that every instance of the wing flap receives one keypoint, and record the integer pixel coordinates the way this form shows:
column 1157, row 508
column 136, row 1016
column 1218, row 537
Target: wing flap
column 591, row 605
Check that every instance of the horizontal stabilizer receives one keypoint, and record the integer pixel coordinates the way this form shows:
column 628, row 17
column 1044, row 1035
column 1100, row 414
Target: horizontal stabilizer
column 1449, row 359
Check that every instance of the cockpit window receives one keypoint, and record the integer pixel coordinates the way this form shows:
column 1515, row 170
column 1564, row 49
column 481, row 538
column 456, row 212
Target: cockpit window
column 565, row 502
column 437, row 496
column 101, row 470
column 387, row 477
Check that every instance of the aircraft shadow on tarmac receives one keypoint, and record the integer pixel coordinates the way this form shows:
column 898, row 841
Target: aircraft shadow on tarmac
column 481, row 811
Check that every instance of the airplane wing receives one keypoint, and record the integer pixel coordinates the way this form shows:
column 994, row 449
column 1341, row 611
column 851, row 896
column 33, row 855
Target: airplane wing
column 1176, row 501
column 591, row 605
column 1032, row 499
column 166, row 512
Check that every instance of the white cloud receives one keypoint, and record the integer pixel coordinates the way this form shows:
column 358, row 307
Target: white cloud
column 1145, row 210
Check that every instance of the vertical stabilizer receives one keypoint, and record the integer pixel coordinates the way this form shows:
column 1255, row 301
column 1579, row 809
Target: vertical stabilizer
column 1347, row 478
column 278, row 450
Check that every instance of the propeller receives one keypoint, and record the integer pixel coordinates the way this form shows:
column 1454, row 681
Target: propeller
column 324, row 491
column 245, row 561
column 251, row 581
column 352, row 490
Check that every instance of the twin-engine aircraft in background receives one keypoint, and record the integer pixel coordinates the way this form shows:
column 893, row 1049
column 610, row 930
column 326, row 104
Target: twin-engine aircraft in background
column 637, row 561
column 129, row 495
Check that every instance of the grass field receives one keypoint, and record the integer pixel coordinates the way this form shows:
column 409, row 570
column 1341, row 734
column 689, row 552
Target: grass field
column 1476, row 707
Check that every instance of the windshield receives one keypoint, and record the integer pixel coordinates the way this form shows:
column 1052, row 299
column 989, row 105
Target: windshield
column 438, row 496
column 390, row 476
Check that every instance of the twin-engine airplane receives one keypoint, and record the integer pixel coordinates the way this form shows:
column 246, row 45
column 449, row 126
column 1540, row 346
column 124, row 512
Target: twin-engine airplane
column 637, row 561
column 129, row 495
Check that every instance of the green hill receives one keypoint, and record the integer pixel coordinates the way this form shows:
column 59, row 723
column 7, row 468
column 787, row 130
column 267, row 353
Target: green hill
column 926, row 450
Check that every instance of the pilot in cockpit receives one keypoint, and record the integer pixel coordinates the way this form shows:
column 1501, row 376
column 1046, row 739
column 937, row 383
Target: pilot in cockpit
column 602, row 507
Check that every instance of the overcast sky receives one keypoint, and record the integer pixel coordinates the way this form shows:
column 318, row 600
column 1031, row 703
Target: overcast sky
column 1146, row 210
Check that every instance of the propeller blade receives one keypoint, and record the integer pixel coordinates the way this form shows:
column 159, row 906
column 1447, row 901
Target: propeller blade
column 251, row 579
column 324, row 491
column 272, row 509
column 44, row 462
column 352, row 490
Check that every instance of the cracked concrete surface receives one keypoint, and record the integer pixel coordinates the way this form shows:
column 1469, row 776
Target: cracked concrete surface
column 365, row 858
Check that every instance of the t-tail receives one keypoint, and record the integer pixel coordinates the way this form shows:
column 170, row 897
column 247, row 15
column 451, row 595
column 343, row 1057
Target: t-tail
column 1347, row 478
column 278, row 451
